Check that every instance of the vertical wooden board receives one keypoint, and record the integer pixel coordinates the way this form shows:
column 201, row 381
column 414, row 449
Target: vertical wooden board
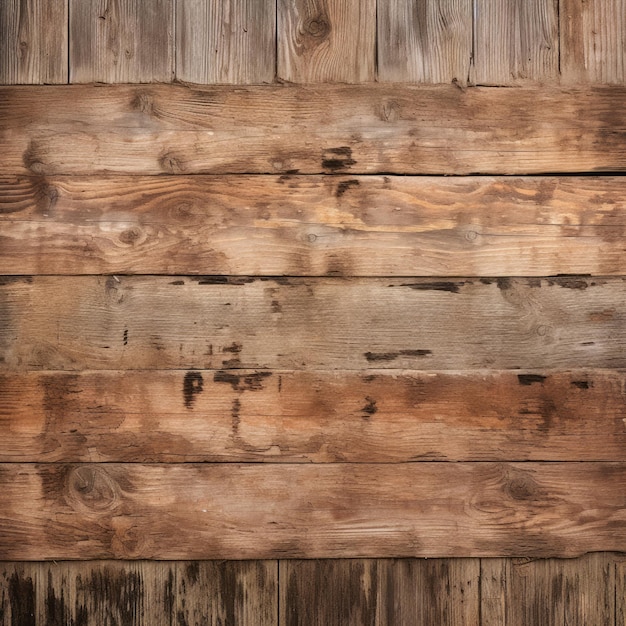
column 593, row 41
column 121, row 41
column 33, row 41
column 550, row 592
column 18, row 602
column 429, row 591
column 326, row 40
column 515, row 42
column 213, row 593
column 328, row 592
column 620, row 590
column 226, row 41
column 424, row 41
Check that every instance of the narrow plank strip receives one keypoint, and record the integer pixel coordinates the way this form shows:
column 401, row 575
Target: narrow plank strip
column 592, row 41
column 213, row 322
column 226, row 41
column 226, row 511
column 341, row 129
column 553, row 592
column 515, row 42
column 318, row 417
column 310, row 225
column 33, row 41
column 127, row 41
column 424, row 42
column 327, row 41
column 620, row 591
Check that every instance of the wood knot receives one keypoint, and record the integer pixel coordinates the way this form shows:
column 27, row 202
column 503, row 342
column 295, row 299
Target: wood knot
column 318, row 27
column 521, row 488
column 90, row 486
column 113, row 290
column 130, row 236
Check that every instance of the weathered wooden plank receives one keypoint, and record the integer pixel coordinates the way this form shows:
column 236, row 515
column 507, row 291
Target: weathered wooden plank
column 327, row 41
column 150, row 593
column 515, row 41
column 323, row 417
column 311, row 225
column 33, row 41
column 592, row 41
column 226, row 41
column 214, row 322
column 425, row 42
column 184, row 511
column 126, row 41
column 620, row 591
column 341, row 129
column 517, row 592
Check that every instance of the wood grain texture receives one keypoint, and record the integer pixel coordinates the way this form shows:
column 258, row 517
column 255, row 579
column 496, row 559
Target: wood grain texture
column 311, row 225
column 226, row 41
column 227, row 511
column 210, row 322
column 321, row 41
column 518, row 591
column 340, row 129
column 320, row 417
column 33, row 41
column 429, row 41
column 620, row 591
column 593, row 36
column 515, row 42
column 121, row 41
column 150, row 593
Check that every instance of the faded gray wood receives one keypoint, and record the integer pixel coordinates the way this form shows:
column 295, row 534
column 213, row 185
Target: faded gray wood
column 33, row 41
column 340, row 129
column 553, row 592
column 121, row 41
column 323, row 41
column 77, row 323
column 424, row 41
column 515, row 42
column 226, row 41
column 244, row 511
column 593, row 41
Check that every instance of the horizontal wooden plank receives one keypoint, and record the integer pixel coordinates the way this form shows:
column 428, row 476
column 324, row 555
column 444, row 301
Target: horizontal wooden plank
column 163, row 322
column 313, row 129
column 183, row 511
column 313, row 225
column 321, row 417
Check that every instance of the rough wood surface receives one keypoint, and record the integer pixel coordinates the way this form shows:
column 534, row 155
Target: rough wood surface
column 593, row 36
column 211, row 322
column 140, row 593
column 318, row 417
column 518, row 592
column 429, row 41
column 33, row 41
column 515, row 41
column 228, row 511
column 311, row 225
column 327, row 41
column 226, row 41
column 121, row 41
column 341, row 129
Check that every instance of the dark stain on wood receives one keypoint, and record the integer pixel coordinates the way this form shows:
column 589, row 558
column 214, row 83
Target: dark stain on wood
column 192, row 386
column 581, row 384
column 391, row 356
column 344, row 185
column 569, row 282
column 57, row 612
column 223, row 280
column 530, row 379
column 234, row 348
column 242, row 382
column 370, row 407
column 22, row 601
column 452, row 287
column 503, row 283
column 337, row 159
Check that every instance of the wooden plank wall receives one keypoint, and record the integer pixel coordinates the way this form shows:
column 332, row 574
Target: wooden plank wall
column 322, row 306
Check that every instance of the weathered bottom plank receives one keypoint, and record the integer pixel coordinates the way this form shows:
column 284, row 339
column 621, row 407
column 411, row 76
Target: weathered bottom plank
column 233, row 511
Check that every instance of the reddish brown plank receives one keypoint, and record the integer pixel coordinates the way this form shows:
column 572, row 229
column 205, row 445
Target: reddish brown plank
column 312, row 225
column 347, row 129
column 227, row 511
column 322, row 417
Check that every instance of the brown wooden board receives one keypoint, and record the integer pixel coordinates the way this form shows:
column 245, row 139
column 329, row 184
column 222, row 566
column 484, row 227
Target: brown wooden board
column 340, row 129
column 221, row 41
column 228, row 511
column 163, row 322
column 313, row 225
column 323, row 417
